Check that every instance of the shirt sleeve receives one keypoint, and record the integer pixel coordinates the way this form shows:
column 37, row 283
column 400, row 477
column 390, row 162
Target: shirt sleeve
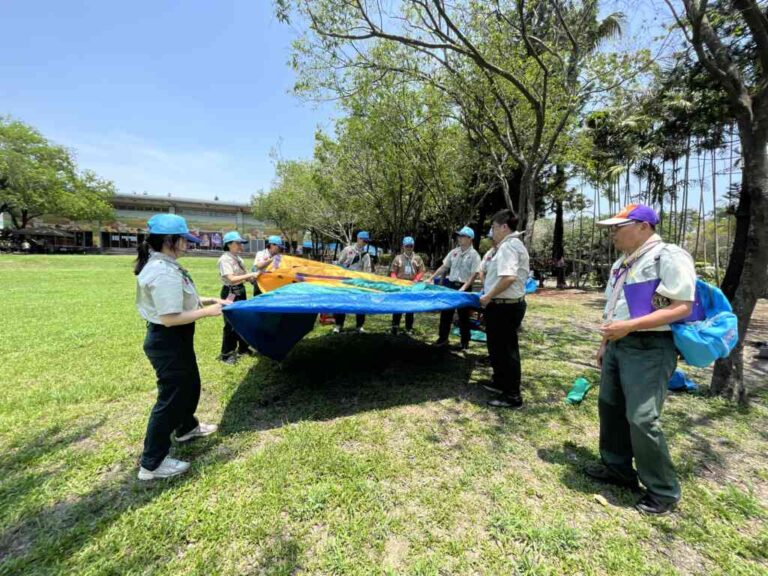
column 418, row 264
column 367, row 266
column 678, row 276
column 448, row 260
column 343, row 257
column 508, row 261
column 476, row 260
column 167, row 294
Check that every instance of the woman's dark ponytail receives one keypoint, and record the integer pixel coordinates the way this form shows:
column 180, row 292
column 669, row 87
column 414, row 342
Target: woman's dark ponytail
column 142, row 257
column 153, row 242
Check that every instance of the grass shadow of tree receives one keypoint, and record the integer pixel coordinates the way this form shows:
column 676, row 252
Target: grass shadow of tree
column 330, row 376
column 42, row 538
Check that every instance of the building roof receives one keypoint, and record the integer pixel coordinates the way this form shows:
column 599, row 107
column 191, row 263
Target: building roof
column 42, row 231
column 167, row 201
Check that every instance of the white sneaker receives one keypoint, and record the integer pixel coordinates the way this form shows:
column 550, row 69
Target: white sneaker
column 199, row 432
column 361, row 330
column 336, row 330
column 168, row 468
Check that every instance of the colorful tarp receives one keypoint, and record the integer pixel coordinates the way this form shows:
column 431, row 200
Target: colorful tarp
column 296, row 290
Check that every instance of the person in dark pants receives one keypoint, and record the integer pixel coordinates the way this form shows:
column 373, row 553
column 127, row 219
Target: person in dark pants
column 406, row 266
column 503, row 299
column 233, row 277
column 653, row 284
column 462, row 265
column 167, row 299
column 355, row 257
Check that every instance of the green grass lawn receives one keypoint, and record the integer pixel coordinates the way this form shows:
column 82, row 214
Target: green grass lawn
column 360, row 454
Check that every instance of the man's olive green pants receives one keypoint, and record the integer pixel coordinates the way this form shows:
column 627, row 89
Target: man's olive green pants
column 633, row 386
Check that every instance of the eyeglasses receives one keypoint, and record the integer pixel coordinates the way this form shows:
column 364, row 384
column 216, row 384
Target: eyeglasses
column 622, row 225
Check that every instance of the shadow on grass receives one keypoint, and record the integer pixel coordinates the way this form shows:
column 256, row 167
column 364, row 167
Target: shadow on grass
column 573, row 460
column 42, row 537
column 339, row 375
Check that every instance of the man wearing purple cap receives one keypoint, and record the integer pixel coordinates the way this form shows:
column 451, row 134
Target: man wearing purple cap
column 652, row 285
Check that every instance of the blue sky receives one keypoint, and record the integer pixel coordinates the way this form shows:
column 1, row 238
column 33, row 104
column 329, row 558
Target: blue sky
column 185, row 98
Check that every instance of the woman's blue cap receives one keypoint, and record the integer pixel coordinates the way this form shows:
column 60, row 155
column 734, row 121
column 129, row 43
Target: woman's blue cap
column 233, row 236
column 408, row 241
column 170, row 224
column 363, row 235
column 276, row 240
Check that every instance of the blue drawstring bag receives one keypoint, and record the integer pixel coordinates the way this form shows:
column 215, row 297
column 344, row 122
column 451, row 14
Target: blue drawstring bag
column 702, row 342
column 530, row 285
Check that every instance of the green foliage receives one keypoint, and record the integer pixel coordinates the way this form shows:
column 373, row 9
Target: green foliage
column 38, row 177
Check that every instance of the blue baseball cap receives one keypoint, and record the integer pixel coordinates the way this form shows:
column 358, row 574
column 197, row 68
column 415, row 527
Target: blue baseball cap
column 170, row 224
column 233, row 236
column 276, row 240
column 363, row 235
column 408, row 241
column 467, row 231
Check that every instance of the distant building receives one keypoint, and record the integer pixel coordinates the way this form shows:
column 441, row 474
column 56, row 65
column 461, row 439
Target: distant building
column 207, row 219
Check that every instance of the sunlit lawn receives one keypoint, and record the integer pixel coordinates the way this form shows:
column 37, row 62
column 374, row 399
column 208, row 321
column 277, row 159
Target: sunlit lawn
column 361, row 454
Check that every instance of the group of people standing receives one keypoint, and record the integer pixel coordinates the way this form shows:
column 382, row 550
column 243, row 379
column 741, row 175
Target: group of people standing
column 637, row 354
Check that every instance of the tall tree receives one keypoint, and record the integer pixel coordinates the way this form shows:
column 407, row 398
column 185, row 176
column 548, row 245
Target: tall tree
column 730, row 39
column 527, row 67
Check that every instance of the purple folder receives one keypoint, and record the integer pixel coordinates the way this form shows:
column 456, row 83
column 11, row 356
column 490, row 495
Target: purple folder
column 640, row 301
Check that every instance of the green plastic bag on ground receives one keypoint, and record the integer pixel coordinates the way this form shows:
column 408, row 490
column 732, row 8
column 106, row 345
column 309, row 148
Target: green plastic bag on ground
column 577, row 392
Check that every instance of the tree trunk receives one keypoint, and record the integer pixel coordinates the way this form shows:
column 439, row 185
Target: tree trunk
column 684, row 212
column 699, row 214
column 714, row 217
column 739, row 246
column 558, row 249
column 527, row 205
column 752, row 248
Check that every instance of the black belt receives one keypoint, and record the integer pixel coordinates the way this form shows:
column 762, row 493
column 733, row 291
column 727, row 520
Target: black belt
column 508, row 300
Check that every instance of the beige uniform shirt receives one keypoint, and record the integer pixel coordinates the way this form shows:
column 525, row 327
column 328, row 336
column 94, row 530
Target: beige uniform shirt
column 261, row 257
column 462, row 264
column 509, row 258
column 407, row 268
column 164, row 287
column 352, row 258
column 674, row 269
column 231, row 264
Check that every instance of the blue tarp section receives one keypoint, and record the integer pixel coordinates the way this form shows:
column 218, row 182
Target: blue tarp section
column 273, row 323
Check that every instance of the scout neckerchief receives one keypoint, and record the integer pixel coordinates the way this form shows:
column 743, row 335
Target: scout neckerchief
column 622, row 272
